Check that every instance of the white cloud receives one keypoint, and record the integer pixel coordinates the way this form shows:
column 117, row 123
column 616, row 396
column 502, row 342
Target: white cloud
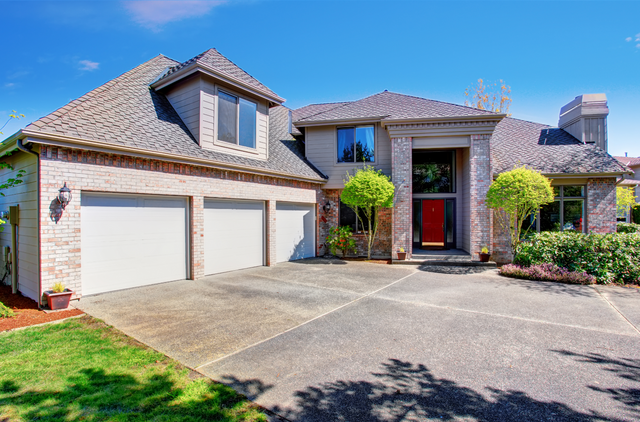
column 628, row 39
column 89, row 65
column 637, row 45
column 153, row 14
column 9, row 85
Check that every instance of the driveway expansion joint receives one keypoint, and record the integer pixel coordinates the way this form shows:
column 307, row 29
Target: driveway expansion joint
column 306, row 322
column 616, row 309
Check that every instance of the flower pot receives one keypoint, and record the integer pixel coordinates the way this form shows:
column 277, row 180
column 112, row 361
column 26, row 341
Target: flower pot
column 484, row 257
column 58, row 300
column 402, row 256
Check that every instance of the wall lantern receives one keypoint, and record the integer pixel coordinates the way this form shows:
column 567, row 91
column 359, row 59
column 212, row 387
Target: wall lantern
column 64, row 196
column 327, row 207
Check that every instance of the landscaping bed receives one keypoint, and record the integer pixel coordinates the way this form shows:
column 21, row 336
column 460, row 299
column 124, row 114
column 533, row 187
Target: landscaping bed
column 82, row 369
column 26, row 312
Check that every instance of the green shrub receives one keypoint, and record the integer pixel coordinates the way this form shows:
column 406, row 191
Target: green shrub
column 547, row 272
column 610, row 258
column 635, row 214
column 341, row 238
column 628, row 228
column 5, row 312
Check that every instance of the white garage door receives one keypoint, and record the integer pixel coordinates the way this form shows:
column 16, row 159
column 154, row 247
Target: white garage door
column 233, row 235
column 130, row 241
column 295, row 231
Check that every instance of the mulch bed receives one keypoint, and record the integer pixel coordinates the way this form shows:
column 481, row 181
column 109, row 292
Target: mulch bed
column 27, row 312
column 373, row 261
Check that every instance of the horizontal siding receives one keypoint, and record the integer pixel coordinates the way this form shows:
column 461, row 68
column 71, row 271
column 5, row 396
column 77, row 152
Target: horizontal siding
column 185, row 99
column 25, row 195
column 320, row 145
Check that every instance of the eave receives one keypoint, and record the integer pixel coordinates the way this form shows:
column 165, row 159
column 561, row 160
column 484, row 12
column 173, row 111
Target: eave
column 224, row 77
column 81, row 143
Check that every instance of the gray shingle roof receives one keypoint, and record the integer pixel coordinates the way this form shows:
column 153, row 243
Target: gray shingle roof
column 547, row 149
column 213, row 59
column 126, row 112
column 313, row 109
column 390, row 105
column 628, row 161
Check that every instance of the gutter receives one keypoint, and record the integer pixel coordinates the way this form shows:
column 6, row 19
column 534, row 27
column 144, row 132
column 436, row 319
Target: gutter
column 29, row 150
column 73, row 142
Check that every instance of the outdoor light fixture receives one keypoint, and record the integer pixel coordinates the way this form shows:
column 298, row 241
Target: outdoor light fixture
column 327, row 207
column 64, row 196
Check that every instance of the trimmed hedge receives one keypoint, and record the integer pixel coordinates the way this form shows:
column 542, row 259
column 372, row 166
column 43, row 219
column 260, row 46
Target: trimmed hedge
column 547, row 272
column 610, row 258
column 628, row 228
column 635, row 214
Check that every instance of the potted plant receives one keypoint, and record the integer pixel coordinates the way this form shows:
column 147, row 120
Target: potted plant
column 484, row 254
column 402, row 255
column 58, row 297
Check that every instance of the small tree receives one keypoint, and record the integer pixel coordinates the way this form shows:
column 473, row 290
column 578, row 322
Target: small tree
column 366, row 192
column 516, row 195
column 492, row 96
column 625, row 199
column 17, row 179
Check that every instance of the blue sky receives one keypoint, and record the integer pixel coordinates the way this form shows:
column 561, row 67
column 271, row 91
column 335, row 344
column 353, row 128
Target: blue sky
column 321, row 51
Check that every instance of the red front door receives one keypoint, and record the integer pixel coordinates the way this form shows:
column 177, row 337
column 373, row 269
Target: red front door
column 433, row 221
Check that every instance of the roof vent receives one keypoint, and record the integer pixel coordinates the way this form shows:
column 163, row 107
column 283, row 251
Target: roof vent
column 586, row 119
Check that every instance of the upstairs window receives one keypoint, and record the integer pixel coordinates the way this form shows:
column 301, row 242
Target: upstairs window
column 356, row 144
column 236, row 120
column 434, row 171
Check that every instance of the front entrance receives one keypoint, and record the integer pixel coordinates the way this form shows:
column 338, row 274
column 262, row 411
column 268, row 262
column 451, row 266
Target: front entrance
column 433, row 223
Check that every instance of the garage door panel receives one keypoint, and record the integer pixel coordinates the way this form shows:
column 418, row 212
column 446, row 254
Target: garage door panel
column 233, row 235
column 295, row 231
column 131, row 241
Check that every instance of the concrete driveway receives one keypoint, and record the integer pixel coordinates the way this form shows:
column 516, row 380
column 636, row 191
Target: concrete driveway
column 322, row 340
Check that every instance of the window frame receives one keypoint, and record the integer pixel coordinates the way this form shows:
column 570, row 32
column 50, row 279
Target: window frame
column 561, row 198
column 354, row 127
column 454, row 168
column 237, row 145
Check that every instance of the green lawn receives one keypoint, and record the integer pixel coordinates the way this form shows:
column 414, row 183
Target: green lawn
column 84, row 370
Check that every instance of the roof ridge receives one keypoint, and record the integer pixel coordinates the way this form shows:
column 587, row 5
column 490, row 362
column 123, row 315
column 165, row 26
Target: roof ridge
column 73, row 104
column 346, row 104
column 438, row 101
column 331, row 109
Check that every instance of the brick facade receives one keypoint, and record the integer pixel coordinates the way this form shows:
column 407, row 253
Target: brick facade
column 401, row 165
column 481, row 176
column 60, row 250
column 601, row 205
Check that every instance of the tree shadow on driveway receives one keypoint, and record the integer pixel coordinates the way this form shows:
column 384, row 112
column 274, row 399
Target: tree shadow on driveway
column 403, row 391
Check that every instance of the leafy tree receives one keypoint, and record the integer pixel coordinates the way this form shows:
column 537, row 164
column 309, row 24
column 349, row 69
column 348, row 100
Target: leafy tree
column 492, row 96
column 516, row 195
column 625, row 199
column 367, row 191
column 17, row 179
column 14, row 115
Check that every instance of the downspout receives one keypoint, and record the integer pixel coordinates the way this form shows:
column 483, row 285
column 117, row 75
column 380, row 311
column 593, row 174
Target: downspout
column 28, row 150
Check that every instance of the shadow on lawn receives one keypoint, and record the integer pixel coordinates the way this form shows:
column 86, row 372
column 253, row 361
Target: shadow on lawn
column 96, row 395
column 404, row 391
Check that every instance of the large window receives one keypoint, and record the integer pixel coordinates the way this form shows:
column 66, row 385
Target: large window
column 348, row 218
column 236, row 120
column 434, row 171
column 356, row 144
column 566, row 212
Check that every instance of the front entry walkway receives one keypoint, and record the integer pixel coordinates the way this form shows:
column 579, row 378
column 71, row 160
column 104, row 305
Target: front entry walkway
column 324, row 340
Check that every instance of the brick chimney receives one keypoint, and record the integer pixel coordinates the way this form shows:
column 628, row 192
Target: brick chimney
column 586, row 119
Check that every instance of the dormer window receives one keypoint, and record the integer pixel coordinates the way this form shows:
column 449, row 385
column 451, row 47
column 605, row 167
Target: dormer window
column 236, row 120
column 356, row 144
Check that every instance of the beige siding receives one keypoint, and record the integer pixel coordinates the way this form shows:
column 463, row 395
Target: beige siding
column 465, row 208
column 185, row 99
column 320, row 145
column 26, row 196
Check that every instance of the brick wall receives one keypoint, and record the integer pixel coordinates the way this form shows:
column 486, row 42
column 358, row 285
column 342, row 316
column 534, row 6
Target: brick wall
column 480, row 181
column 98, row 172
column 500, row 250
column 401, row 165
column 601, row 205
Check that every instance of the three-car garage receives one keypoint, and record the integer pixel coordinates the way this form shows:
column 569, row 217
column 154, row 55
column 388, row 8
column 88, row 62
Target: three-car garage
column 137, row 240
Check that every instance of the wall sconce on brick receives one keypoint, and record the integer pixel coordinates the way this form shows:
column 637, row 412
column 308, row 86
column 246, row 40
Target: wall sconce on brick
column 327, row 207
column 64, row 196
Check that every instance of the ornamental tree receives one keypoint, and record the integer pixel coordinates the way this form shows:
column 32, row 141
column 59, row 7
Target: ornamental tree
column 625, row 199
column 366, row 192
column 516, row 195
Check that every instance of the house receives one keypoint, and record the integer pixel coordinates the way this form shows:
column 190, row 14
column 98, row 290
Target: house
column 182, row 170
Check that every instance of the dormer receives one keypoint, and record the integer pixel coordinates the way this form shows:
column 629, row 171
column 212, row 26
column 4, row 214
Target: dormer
column 225, row 109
